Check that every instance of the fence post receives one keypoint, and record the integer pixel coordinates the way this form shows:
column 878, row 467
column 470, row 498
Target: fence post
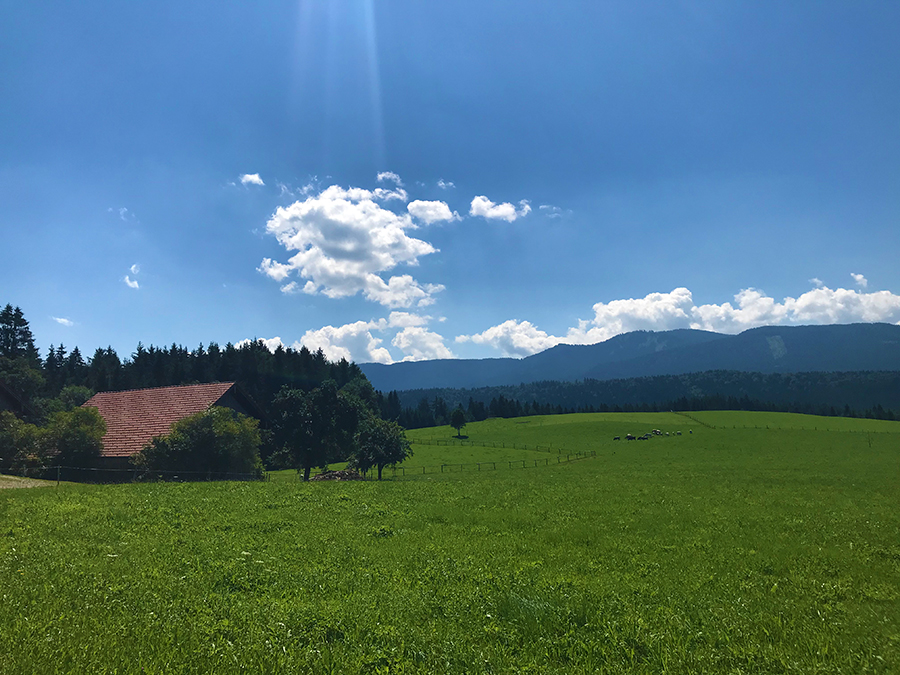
column 495, row 465
column 479, row 466
column 57, row 476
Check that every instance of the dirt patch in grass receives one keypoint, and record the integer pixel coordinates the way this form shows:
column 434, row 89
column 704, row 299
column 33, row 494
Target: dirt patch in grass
column 8, row 482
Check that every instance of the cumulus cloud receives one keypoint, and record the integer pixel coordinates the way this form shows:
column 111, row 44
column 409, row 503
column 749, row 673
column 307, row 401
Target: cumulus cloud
column 135, row 268
column 402, row 291
column 344, row 241
column 353, row 341
column 860, row 280
column 666, row 311
column 391, row 176
column 818, row 283
column 431, row 212
column 406, row 320
column 251, row 179
column 62, row 321
column 513, row 338
column 359, row 341
column 445, row 184
column 132, row 283
column 420, row 344
column 484, row 207
column 271, row 344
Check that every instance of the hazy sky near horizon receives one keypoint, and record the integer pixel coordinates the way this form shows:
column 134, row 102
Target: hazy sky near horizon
column 406, row 180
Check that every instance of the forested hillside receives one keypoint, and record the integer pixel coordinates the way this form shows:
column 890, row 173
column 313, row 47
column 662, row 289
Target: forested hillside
column 864, row 394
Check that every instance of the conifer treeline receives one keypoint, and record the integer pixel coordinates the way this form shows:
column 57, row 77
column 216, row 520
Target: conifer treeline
column 259, row 372
column 873, row 394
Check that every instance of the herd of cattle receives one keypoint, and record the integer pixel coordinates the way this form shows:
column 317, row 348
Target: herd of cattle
column 648, row 435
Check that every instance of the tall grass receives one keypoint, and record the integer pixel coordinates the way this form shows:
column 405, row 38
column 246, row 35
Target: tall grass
column 727, row 550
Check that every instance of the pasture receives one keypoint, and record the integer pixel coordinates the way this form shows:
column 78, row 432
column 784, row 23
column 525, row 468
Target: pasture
column 735, row 549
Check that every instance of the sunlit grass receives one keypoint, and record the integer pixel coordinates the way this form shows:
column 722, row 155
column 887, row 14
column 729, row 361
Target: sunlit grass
column 729, row 550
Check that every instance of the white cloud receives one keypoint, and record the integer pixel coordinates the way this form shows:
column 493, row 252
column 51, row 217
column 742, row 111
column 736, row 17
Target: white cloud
column 123, row 213
column 445, row 184
column 402, row 291
column 271, row 344
column 406, row 320
column 553, row 211
column 676, row 309
column 353, row 341
column 431, row 212
column 356, row 341
column 860, row 280
column 482, row 206
column 391, row 176
column 656, row 311
column 754, row 308
column 344, row 241
column 62, row 321
column 824, row 306
column 135, row 268
column 818, row 283
column 385, row 195
column 513, row 338
column 421, row 344
column 251, row 179
column 132, row 283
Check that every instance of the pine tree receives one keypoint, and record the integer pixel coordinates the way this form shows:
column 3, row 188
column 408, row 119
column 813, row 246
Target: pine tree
column 16, row 340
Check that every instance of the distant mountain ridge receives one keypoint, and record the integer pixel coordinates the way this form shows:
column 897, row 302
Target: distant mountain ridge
column 769, row 349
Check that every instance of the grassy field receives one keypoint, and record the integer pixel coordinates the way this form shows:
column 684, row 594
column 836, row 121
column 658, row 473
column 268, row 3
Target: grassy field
column 739, row 549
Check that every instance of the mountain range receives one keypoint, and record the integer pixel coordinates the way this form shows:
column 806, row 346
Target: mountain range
column 769, row 349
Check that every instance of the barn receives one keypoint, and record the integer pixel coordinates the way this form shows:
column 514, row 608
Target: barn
column 135, row 416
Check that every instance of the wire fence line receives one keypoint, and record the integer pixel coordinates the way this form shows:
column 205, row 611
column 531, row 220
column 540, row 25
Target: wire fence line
column 457, row 467
column 463, row 443
column 812, row 428
column 80, row 474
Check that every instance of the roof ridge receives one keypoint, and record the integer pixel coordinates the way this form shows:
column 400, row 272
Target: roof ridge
column 167, row 386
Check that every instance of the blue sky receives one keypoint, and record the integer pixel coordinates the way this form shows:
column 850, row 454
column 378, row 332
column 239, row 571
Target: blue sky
column 404, row 180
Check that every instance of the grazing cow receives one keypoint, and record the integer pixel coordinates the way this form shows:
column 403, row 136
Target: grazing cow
column 678, row 433
column 629, row 437
column 616, row 438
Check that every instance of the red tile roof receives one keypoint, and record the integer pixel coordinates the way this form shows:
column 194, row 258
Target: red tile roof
column 134, row 417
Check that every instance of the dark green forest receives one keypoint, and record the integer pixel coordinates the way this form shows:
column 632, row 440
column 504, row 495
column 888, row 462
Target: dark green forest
column 872, row 394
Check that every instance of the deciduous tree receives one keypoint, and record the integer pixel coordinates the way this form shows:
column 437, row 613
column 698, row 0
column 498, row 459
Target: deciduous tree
column 316, row 427
column 380, row 443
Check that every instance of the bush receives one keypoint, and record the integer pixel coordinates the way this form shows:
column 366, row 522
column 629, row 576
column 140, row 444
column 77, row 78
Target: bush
column 23, row 446
column 218, row 440
column 77, row 436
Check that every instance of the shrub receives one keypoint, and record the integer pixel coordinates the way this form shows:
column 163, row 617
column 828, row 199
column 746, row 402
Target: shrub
column 23, row 446
column 77, row 436
column 218, row 440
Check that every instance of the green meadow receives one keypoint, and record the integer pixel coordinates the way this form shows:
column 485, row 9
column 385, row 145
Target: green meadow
column 758, row 543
